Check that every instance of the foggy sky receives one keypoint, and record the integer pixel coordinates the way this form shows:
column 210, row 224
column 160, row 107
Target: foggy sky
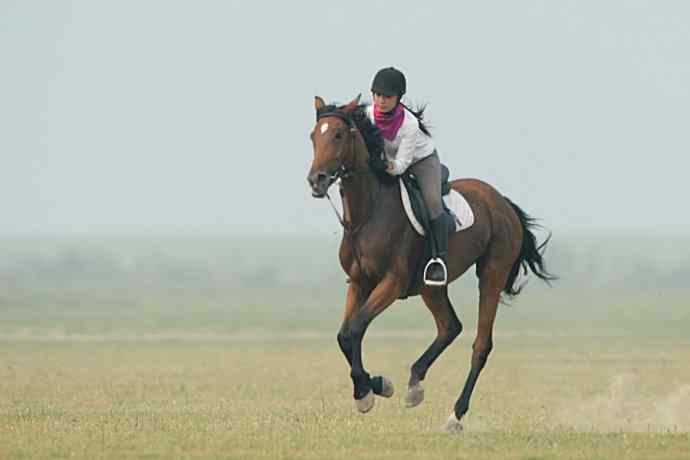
column 165, row 117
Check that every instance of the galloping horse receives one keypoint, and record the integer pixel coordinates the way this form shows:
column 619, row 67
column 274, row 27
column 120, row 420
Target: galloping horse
column 380, row 249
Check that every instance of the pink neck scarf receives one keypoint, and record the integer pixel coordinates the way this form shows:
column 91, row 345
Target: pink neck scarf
column 389, row 123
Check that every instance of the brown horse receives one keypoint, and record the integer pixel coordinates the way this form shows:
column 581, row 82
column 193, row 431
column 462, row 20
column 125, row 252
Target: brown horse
column 380, row 249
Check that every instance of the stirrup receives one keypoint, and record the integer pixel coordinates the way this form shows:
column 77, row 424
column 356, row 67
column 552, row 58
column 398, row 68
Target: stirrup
column 427, row 281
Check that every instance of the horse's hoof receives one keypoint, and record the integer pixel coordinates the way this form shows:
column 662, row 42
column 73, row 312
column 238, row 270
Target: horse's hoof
column 453, row 425
column 365, row 404
column 415, row 395
column 387, row 388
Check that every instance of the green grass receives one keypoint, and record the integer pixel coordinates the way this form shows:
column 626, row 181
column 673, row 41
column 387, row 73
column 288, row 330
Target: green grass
column 538, row 398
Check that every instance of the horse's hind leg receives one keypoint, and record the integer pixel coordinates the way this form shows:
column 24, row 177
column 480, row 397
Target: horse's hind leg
column 448, row 327
column 492, row 279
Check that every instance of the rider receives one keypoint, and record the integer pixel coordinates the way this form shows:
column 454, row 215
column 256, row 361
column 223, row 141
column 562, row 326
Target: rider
column 408, row 146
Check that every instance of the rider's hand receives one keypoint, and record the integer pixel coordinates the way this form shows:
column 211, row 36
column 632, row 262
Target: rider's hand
column 390, row 167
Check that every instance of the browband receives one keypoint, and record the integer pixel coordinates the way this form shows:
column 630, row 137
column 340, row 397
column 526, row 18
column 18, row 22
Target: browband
column 334, row 113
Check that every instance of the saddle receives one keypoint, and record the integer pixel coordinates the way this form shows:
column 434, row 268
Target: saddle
column 457, row 207
column 409, row 181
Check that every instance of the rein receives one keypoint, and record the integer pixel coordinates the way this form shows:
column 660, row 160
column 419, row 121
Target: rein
column 344, row 174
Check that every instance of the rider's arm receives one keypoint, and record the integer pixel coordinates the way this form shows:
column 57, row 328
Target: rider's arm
column 405, row 154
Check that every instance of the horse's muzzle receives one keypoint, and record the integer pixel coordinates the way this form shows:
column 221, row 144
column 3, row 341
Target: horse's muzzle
column 319, row 182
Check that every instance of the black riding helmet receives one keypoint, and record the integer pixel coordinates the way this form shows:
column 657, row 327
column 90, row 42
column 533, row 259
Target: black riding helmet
column 389, row 82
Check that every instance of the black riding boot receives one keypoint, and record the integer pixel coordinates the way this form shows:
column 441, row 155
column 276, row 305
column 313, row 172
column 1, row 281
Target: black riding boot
column 436, row 273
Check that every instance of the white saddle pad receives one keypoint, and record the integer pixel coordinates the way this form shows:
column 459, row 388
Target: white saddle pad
column 454, row 201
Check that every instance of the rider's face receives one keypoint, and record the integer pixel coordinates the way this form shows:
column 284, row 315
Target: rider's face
column 385, row 103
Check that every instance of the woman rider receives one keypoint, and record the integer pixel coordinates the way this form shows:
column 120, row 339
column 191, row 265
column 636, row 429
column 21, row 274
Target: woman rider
column 408, row 146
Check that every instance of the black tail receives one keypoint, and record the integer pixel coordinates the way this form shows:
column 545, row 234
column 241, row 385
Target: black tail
column 531, row 256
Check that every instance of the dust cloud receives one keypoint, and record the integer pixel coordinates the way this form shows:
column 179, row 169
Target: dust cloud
column 623, row 407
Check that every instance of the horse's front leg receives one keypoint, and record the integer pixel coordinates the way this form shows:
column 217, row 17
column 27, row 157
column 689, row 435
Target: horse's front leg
column 356, row 323
column 356, row 295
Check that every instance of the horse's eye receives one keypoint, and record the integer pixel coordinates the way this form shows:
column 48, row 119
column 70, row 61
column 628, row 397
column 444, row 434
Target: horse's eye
column 338, row 135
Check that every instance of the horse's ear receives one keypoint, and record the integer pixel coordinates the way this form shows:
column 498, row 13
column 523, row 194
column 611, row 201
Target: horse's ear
column 352, row 105
column 319, row 103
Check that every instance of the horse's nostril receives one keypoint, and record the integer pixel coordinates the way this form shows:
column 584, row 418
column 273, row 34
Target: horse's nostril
column 317, row 178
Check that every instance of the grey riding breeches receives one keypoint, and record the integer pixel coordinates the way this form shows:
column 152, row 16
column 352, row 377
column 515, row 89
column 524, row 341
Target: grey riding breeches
column 428, row 173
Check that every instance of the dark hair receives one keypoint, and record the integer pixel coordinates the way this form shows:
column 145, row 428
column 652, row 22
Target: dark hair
column 419, row 115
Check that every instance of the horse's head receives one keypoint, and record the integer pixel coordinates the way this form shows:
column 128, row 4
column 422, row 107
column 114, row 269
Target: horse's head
column 333, row 138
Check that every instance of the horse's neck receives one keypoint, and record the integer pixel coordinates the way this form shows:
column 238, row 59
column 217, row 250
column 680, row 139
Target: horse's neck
column 358, row 192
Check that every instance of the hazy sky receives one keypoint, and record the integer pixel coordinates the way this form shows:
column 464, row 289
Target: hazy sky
column 163, row 116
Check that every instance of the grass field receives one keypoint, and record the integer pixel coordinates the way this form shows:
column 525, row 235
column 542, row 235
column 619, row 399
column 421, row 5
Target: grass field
column 188, row 348
column 539, row 397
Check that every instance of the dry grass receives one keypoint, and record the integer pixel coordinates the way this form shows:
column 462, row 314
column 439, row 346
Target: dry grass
column 538, row 398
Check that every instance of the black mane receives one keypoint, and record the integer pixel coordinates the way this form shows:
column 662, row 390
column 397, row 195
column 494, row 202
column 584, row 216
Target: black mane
column 373, row 139
column 369, row 131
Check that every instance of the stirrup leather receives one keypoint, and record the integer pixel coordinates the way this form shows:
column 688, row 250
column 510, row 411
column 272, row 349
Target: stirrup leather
column 429, row 282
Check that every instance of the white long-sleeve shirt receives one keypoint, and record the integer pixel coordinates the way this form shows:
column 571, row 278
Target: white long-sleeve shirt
column 409, row 145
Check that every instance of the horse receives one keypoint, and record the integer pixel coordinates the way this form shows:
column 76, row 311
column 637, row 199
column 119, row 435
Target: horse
column 380, row 248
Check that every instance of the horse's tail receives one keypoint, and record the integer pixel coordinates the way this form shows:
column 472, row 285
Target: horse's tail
column 531, row 255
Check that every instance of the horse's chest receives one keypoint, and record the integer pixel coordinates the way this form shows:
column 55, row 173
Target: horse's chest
column 367, row 257
column 375, row 261
column 376, row 248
